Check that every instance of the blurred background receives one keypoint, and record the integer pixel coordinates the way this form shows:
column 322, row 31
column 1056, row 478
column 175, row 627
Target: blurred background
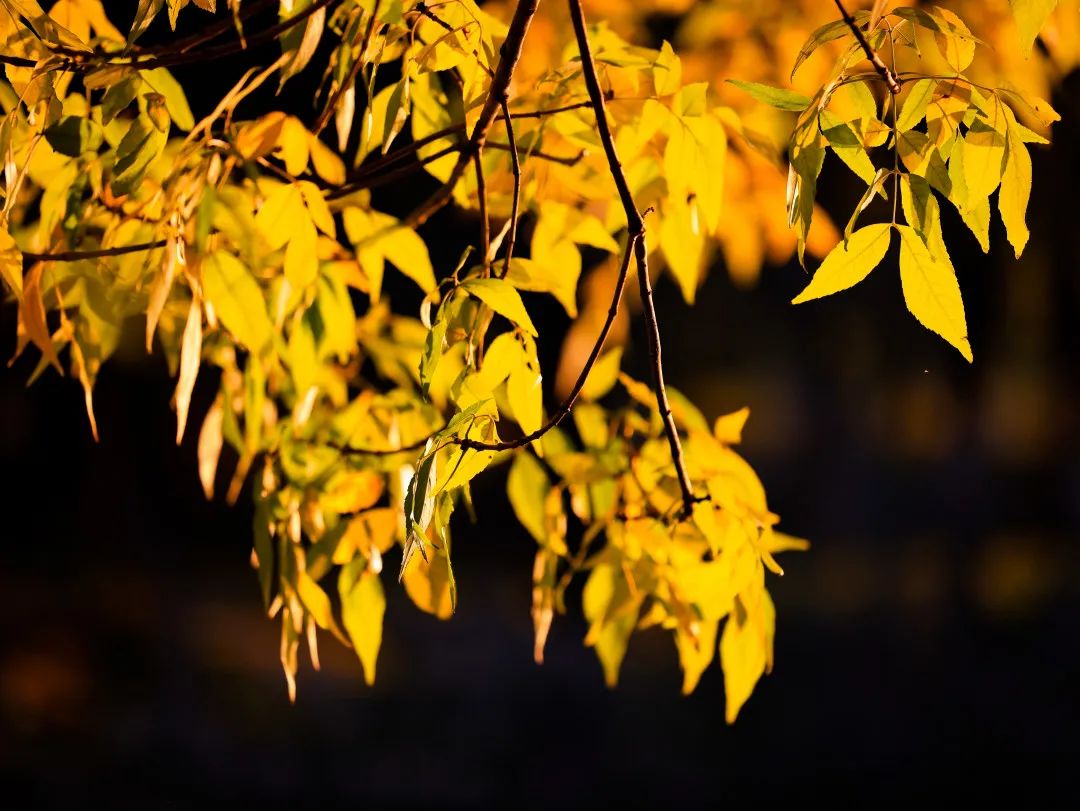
column 927, row 639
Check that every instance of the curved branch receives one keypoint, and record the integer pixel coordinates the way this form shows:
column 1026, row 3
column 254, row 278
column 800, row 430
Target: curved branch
column 97, row 253
column 636, row 225
column 515, row 206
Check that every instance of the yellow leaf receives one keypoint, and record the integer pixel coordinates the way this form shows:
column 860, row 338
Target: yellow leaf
column 603, row 376
column 612, row 615
column 317, row 208
column 462, row 467
column 931, row 291
column 526, row 397
column 1031, row 15
column 682, row 241
column 11, row 263
column 918, row 99
column 984, row 153
column 190, row 356
column 559, row 277
column 1015, row 192
column 327, row 164
column 745, row 651
column 32, row 316
column 956, row 45
column 527, row 486
column 667, row 71
column 728, row 428
column 237, row 299
column 281, row 214
column 352, row 491
column 501, row 296
column 408, row 253
column 301, row 260
column 317, row 603
column 696, row 654
column 292, row 145
column 363, row 605
column 847, row 265
column 427, row 582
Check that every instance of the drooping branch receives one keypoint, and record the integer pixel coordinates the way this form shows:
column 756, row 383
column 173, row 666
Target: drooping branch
column 515, row 205
column 568, row 403
column 636, row 225
column 884, row 70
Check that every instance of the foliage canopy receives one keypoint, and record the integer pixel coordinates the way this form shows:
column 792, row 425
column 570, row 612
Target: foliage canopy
column 252, row 241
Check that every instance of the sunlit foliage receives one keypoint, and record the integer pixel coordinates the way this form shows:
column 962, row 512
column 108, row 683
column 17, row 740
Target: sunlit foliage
column 252, row 241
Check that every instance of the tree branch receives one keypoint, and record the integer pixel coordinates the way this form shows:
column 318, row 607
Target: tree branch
column 568, row 403
column 884, row 70
column 515, row 206
column 97, row 253
column 636, row 225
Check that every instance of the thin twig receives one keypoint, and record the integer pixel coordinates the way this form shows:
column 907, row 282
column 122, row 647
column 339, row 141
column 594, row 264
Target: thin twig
column 515, row 205
column 875, row 60
column 568, row 403
column 97, row 253
column 550, row 111
column 636, row 225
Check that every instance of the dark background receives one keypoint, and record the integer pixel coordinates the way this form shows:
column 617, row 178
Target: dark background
column 928, row 639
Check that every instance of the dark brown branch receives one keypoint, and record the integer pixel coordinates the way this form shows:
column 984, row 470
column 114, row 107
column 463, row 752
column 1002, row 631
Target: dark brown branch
column 568, row 403
column 550, row 111
column 17, row 61
column 98, row 253
column 515, row 205
column 884, row 70
column 565, row 160
column 410, row 448
column 636, row 225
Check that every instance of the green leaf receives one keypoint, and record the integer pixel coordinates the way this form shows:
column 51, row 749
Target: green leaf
column 774, row 96
column 238, row 300
column 363, row 605
column 73, row 135
column 118, row 97
column 931, row 291
column 1031, row 16
column 501, row 296
column 138, row 149
column 847, row 265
